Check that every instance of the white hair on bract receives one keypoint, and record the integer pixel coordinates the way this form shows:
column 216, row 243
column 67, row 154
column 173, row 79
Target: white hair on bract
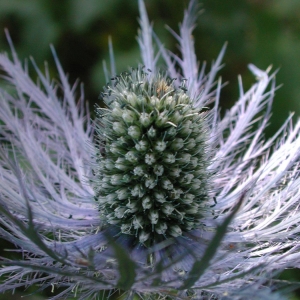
column 159, row 196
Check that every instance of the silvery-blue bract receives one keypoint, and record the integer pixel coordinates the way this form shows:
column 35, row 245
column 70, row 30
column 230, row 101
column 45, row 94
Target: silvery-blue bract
column 159, row 196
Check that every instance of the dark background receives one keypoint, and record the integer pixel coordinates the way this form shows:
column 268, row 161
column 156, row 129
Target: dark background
column 262, row 32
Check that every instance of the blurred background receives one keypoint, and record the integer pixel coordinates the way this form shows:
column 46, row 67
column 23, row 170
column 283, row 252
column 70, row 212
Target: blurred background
column 262, row 32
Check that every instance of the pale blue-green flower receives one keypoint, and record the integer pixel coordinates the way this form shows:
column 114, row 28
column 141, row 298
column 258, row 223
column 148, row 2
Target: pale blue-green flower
column 152, row 178
column 159, row 195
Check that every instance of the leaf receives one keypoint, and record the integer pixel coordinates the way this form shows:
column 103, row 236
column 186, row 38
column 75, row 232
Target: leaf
column 199, row 267
column 125, row 264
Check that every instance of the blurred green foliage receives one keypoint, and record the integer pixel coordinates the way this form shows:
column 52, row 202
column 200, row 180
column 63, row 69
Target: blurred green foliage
column 262, row 32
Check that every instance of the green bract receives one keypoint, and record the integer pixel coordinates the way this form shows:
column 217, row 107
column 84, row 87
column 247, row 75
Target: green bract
column 151, row 174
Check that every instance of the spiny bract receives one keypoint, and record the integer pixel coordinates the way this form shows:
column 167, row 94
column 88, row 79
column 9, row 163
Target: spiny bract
column 154, row 145
column 151, row 178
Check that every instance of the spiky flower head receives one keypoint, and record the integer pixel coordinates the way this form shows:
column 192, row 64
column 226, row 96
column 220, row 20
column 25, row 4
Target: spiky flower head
column 152, row 178
column 157, row 162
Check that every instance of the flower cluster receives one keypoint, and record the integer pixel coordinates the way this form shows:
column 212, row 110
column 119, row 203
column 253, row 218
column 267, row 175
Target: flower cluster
column 152, row 175
column 159, row 196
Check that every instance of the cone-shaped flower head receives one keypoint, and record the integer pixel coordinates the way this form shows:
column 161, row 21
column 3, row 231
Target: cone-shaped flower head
column 151, row 178
column 159, row 163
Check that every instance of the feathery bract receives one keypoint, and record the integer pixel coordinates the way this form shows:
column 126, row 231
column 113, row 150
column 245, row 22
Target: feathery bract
column 159, row 195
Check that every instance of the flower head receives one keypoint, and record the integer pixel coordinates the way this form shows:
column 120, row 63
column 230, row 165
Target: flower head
column 159, row 195
column 152, row 178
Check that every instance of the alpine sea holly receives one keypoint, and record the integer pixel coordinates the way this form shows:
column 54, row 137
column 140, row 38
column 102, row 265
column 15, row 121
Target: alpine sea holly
column 159, row 195
column 152, row 177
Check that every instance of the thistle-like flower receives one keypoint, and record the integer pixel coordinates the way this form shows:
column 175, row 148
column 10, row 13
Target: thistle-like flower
column 152, row 177
column 159, row 195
